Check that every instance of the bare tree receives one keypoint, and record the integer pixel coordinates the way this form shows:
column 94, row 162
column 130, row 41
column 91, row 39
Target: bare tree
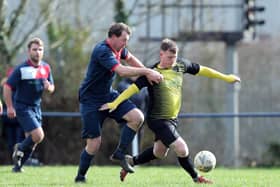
column 16, row 25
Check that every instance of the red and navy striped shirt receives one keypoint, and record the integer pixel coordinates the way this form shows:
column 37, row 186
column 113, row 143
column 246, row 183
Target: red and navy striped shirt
column 27, row 82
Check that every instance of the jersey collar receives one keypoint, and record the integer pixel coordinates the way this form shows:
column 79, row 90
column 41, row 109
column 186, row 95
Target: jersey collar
column 116, row 53
column 31, row 64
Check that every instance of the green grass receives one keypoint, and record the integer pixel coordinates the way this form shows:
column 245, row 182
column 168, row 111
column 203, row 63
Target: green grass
column 145, row 176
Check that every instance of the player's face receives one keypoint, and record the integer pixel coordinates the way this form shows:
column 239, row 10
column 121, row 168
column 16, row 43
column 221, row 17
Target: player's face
column 36, row 53
column 167, row 59
column 121, row 41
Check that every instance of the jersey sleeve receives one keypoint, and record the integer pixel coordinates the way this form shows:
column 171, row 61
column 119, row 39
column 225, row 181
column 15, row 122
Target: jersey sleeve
column 14, row 78
column 124, row 53
column 50, row 77
column 190, row 67
column 106, row 58
column 142, row 82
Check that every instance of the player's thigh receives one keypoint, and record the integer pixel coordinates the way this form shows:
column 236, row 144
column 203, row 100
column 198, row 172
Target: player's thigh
column 125, row 111
column 164, row 130
column 29, row 118
column 92, row 121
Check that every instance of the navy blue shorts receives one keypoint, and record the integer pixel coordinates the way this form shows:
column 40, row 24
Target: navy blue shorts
column 164, row 130
column 29, row 117
column 92, row 118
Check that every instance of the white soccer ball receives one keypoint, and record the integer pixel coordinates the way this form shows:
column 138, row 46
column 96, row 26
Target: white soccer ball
column 204, row 161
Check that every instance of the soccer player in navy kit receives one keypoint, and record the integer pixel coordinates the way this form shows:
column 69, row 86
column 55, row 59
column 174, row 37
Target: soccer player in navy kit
column 165, row 103
column 28, row 80
column 96, row 89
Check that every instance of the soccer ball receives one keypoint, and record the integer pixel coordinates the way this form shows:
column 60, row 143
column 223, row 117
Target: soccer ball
column 204, row 161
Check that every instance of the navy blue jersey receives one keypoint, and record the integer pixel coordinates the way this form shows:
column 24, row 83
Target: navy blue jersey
column 27, row 82
column 100, row 74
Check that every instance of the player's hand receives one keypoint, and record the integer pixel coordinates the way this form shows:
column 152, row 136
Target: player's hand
column 233, row 79
column 47, row 84
column 154, row 77
column 11, row 113
column 107, row 106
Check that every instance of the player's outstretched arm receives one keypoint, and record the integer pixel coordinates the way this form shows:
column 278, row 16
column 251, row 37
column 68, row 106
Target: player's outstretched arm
column 128, row 71
column 7, row 93
column 131, row 90
column 211, row 73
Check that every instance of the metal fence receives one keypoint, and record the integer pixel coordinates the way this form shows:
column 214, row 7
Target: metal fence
column 186, row 115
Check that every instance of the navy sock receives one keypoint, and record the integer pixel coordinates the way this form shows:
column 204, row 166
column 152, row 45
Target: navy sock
column 27, row 154
column 144, row 157
column 26, row 144
column 85, row 161
column 126, row 138
column 187, row 164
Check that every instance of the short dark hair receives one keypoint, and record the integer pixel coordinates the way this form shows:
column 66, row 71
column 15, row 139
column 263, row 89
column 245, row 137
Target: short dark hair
column 37, row 41
column 117, row 28
column 169, row 45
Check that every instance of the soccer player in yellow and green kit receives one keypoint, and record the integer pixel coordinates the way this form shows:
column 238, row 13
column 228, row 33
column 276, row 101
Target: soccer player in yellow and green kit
column 165, row 103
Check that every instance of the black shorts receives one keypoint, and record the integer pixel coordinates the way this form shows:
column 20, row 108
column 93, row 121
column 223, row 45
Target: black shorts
column 164, row 130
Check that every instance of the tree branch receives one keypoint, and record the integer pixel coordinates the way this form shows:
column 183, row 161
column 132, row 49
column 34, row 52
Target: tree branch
column 130, row 12
column 1, row 14
column 46, row 15
column 15, row 17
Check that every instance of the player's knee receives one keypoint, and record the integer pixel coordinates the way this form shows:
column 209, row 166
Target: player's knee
column 182, row 152
column 160, row 150
column 139, row 119
column 180, row 147
column 37, row 135
column 160, row 154
column 135, row 119
column 93, row 145
column 37, row 139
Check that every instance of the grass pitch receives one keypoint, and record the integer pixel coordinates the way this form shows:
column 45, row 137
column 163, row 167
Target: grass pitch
column 145, row 176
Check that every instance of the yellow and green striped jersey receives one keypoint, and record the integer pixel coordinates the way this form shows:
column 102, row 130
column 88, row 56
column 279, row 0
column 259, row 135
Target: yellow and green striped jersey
column 165, row 98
